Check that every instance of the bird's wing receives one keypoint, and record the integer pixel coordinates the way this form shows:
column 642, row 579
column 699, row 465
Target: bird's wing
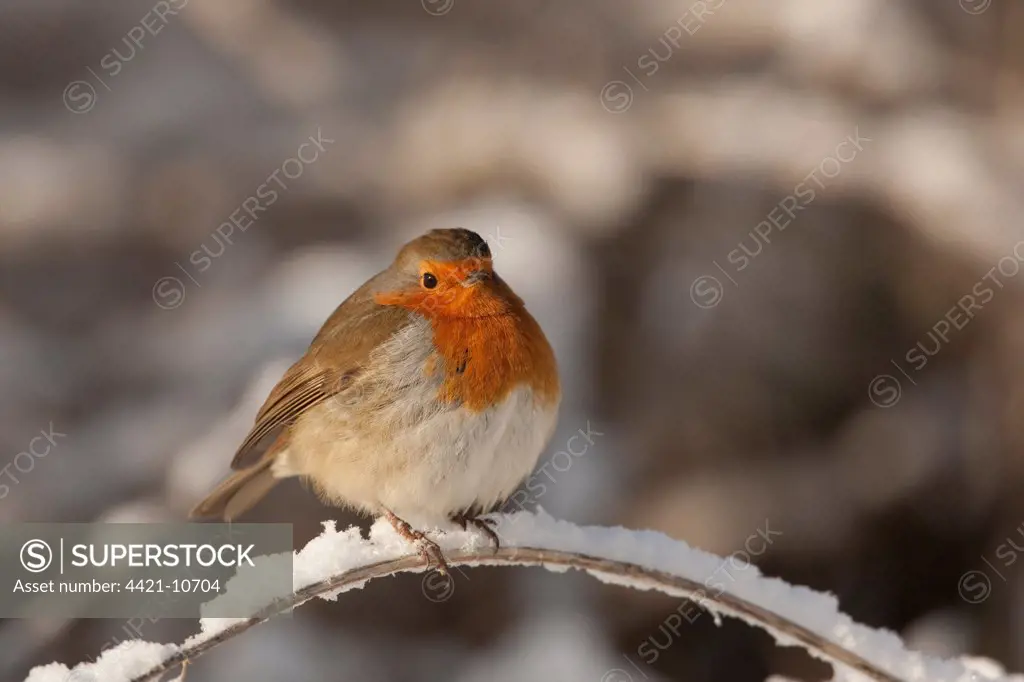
column 303, row 386
column 335, row 358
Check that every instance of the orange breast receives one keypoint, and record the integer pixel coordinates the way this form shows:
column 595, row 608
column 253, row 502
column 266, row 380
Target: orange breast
column 484, row 359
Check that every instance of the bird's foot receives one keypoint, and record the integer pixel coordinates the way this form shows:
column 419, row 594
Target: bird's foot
column 487, row 525
column 428, row 549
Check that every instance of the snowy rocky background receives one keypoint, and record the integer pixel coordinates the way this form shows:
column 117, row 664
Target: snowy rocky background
column 855, row 388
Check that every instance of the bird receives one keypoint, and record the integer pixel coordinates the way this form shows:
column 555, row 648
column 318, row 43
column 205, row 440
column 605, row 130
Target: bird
column 428, row 394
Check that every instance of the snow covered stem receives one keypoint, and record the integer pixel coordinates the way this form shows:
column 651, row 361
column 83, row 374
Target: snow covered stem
column 337, row 561
column 608, row 570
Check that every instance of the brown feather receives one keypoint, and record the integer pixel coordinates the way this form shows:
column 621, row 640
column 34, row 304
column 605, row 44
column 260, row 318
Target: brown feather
column 303, row 386
column 339, row 351
column 242, row 489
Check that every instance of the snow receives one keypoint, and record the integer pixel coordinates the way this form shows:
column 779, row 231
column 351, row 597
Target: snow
column 335, row 551
column 122, row 662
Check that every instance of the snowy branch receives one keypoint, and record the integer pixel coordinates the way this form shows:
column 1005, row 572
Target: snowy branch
column 337, row 561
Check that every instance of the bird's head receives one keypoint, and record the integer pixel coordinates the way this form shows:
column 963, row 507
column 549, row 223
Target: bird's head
column 447, row 274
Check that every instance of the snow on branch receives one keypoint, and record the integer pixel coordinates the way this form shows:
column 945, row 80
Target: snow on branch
column 338, row 561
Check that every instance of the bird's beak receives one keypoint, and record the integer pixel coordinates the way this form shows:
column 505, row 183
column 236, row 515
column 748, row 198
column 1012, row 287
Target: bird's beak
column 475, row 277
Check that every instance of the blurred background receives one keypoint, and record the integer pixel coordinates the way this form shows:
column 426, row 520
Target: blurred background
column 775, row 245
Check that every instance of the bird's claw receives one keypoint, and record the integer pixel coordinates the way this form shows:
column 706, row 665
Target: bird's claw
column 485, row 524
column 428, row 549
column 431, row 553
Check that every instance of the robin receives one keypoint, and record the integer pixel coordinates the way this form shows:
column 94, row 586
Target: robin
column 428, row 394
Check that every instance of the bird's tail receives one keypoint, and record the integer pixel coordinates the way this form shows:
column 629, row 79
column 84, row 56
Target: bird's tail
column 238, row 492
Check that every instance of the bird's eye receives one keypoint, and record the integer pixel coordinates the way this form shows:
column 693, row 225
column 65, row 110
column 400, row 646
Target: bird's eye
column 429, row 280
